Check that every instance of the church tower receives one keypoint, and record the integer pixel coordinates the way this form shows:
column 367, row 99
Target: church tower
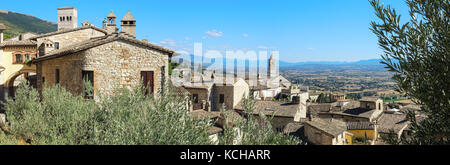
column 110, row 25
column 129, row 24
column 67, row 18
column 273, row 68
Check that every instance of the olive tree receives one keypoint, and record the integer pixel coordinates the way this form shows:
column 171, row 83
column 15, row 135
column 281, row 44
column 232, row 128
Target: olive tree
column 418, row 54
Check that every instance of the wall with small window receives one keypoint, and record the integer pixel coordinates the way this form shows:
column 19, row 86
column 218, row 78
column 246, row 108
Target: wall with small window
column 114, row 65
column 13, row 59
column 22, row 57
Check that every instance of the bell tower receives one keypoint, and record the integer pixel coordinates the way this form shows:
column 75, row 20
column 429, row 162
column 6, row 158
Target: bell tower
column 273, row 68
column 67, row 18
column 110, row 25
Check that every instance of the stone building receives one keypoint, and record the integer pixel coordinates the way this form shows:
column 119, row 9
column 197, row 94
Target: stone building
column 321, row 132
column 365, row 131
column 337, row 97
column 15, row 55
column 109, row 62
column 370, row 108
column 67, row 18
column 211, row 95
column 102, row 55
column 283, row 113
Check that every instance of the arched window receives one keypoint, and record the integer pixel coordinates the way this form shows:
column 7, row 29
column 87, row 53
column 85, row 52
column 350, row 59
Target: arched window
column 18, row 59
column 27, row 57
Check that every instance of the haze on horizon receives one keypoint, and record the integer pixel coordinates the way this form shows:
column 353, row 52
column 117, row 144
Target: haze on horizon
column 313, row 30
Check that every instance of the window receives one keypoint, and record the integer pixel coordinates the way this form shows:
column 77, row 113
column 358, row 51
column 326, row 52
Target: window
column 56, row 45
column 28, row 57
column 147, row 78
column 18, row 59
column 57, row 76
column 43, row 80
column 89, row 77
column 195, row 97
column 222, row 98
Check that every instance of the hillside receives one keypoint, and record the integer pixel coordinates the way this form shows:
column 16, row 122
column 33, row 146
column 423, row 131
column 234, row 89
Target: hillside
column 18, row 23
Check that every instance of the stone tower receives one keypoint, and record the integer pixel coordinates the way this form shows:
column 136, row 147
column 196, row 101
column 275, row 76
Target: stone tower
column 2, row 28
column 273, row 68
column 110, row 25
column 129, row 24
column 67, row 18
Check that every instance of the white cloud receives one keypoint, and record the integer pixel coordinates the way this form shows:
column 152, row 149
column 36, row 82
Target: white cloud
column 169, row 42
column 187, row 38
column 310, row 49
column 245, row 35
column 263, row 47
column 214, row 33
column 266, row 47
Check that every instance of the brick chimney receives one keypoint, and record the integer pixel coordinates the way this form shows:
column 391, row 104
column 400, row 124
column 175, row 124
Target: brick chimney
column 129, row 24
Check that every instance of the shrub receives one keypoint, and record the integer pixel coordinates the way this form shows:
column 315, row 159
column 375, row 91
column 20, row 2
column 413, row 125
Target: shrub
column 128, row 117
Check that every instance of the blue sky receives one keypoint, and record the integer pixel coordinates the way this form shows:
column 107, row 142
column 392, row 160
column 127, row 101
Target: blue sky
column 301, row 30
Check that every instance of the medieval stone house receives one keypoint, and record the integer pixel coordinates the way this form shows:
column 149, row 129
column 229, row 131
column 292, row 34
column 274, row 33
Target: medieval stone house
column 104, row 56
column 214, row 94
column 108, row 62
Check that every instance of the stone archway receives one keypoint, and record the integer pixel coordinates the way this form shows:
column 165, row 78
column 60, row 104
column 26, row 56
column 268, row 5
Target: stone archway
column 14, row 80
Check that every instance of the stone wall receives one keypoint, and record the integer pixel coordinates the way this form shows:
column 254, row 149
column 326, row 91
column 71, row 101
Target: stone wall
column 241, row 90
column 228, row 92
column 203, row 95
column 343, row 118
column 317, row 137
column 66, row 39
column 116, row 65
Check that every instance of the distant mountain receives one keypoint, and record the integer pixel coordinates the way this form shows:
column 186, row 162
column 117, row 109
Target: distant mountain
column 18, row 23
column 361, row 62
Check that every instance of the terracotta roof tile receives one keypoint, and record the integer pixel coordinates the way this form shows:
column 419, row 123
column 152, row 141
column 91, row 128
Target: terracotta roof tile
column 269, row 108
column 128, row 17
column 333, row 127
column 394, row 122
column 360, row 126
column 18, row 43
column 96, row 42
column 67, row 31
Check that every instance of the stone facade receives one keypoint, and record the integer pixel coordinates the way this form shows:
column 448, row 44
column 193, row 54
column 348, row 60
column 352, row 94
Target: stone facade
column 69, row 38
column 203, row 96
column 318, row 136
column 117, row 64
column 232, row 94
column 67, row 18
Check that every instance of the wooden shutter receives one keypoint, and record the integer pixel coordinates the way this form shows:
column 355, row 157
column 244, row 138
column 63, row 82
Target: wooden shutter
column 147, row 77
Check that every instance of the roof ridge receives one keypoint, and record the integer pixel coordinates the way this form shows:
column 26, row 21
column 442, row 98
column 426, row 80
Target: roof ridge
column 67, row 31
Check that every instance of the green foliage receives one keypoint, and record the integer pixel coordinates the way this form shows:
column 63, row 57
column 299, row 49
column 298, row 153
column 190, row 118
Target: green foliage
column 128, row 117
column 19, row 23
column 172, row 66
column 418, row 53
column 324, row 98
column 27, row 62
